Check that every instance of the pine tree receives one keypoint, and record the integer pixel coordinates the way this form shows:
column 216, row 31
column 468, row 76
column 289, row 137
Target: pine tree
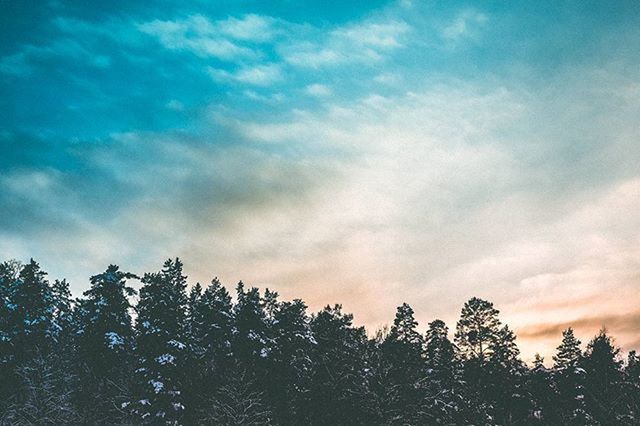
column 603, row 380
column 632, row 388
column 569, row 379
column 252, row 344
column 440, row 384
column 542, row 393
column 9, row 273
column 211, row 325
column 105, row 343
column 290, row 366
column 505, row 381
column 32, row 320
column 63, row 321
column 34, row 324
column 402, row 350
column 339, row 390
column 161, row 351
column 477, row 332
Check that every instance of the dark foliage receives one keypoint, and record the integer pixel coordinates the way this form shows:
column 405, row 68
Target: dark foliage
column 177, row 356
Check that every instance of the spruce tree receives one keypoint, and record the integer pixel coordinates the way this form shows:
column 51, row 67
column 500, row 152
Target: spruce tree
column 32, row 319
column 505, row 380
column 339, row 389
column 9, row 272
column 36, row 316
column 290, row 366
column 402, row 351
column 252, row 344
column 211, row 325
column 542, row 393
column 441, row 386
column 569, row 377
column 632, row 388
column 604, row 380
column 105, row 342
column 161, row 349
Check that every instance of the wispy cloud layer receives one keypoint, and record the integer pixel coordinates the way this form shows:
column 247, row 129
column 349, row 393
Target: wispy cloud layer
column 412, row 152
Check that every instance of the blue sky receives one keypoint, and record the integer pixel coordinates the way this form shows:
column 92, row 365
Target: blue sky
column 365, row 152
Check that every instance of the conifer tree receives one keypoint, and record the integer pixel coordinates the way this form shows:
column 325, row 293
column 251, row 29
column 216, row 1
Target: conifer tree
column 441, row 402
column 569, row 379
column 32, row 320
column 161, row 351
column 36, row 313
column 211, row 323
column 339, row 390
column 505, row 380
column 632, row 388
column 542, row 394
column 603, row 380
column 9, row 272
column 105, row 344
column 290, row 366
column 403, row 352
column 252, row 344
column 477, row 330
column 211, row 326
column 476, row 335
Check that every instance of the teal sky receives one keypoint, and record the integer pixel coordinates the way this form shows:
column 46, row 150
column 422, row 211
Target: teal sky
column 364, row 152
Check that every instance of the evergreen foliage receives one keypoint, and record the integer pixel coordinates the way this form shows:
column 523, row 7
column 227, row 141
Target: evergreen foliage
column 194, row 356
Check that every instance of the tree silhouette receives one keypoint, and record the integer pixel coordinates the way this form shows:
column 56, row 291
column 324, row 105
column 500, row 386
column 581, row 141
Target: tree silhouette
column 196, row 356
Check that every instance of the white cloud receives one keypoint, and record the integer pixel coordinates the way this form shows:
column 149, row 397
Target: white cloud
column 382, row 36
column 465, row 24
column 250, row 28
column 198, row 35
column 259, row 75
column 386, row 78
column 446, row 193
column 318, row 90
column 357, row 43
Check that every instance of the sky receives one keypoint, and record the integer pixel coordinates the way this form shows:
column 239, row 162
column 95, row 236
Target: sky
column 362, row 152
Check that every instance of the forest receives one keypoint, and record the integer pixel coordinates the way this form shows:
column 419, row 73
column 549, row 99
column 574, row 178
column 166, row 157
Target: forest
column 178, row 354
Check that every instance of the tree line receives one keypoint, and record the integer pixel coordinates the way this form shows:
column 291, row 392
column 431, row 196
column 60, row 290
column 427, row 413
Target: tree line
column 169, row 355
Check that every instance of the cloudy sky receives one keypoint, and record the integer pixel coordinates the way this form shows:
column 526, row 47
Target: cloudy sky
column 363, row 152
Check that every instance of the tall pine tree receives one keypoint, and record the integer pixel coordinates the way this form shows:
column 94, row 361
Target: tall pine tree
column 105, row 342
column 569, row 377
column 161, row 349
column 402, row 351
column 604, row 380
column 441, row 382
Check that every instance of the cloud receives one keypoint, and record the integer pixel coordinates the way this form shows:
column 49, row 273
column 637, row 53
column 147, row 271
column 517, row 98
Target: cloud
column 627, row 323
column 202, row 37
column 259, row 75
column 465, row 24
column 318, row 90
column 250, row 27
column 443, row 195
column 274, row 98
column 25, row 61
column 357, row 43
column 355, row 161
